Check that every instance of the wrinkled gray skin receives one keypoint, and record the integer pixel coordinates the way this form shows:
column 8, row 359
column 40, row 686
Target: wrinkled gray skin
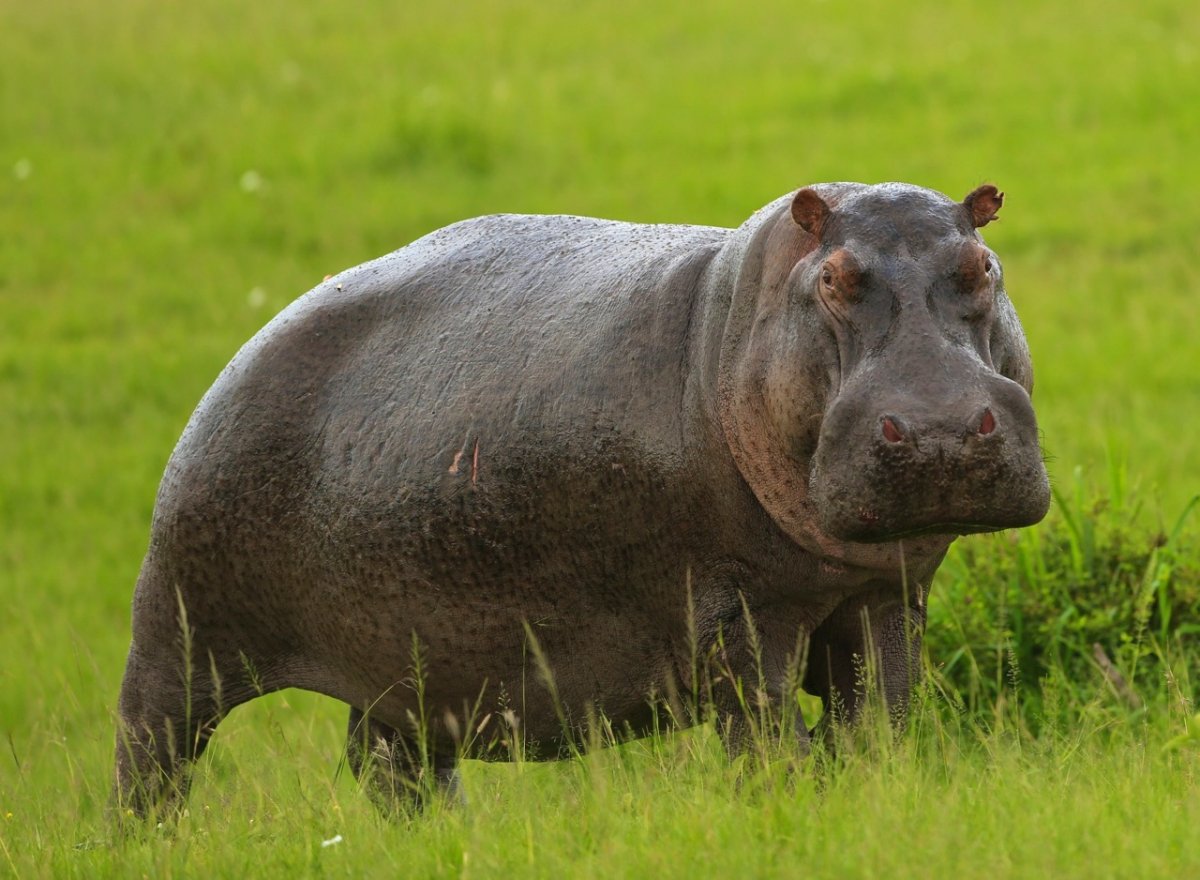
column 563, row 426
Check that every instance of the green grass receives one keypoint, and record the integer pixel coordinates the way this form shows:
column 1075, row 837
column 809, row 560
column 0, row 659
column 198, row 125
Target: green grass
column 171, row 176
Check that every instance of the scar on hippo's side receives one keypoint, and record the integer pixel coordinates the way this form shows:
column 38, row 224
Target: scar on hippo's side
column 458, row 457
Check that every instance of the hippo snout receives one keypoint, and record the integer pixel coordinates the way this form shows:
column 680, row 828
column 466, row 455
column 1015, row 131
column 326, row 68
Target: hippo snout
column 955, row 463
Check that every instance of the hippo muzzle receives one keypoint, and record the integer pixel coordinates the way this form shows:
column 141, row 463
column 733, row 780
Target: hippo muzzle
column 961, row 458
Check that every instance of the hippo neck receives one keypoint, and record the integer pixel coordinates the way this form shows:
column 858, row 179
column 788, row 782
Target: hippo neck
column 744, row 272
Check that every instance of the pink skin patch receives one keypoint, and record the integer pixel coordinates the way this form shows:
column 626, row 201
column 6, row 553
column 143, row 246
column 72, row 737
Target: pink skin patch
column 890, row 432
column 458, row 457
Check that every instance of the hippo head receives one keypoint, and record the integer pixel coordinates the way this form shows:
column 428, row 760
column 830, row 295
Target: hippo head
column 875, row 381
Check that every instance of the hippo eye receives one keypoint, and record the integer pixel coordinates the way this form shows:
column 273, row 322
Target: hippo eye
column 839, row 278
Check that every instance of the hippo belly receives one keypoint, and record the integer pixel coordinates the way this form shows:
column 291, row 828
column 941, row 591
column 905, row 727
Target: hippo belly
column 474, row 440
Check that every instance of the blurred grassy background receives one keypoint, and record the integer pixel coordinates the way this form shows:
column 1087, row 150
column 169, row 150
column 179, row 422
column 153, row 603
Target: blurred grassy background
column 172, row 175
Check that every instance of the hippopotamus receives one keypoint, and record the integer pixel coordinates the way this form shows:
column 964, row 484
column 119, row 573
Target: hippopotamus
column 532, row 474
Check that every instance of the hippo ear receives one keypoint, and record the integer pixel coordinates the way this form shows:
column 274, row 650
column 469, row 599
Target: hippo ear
column 982, row 204
column 810, row 211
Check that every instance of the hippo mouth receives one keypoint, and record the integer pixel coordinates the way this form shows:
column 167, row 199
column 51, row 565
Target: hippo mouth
column 929, row 507
column 948, row 529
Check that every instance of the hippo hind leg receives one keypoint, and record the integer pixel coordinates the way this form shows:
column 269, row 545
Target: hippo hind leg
column 161, row 729
column 397, row 777
column 175, row 692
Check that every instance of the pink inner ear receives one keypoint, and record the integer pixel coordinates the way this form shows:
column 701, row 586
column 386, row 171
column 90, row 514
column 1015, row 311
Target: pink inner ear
column 810, row 211
column 983, row 204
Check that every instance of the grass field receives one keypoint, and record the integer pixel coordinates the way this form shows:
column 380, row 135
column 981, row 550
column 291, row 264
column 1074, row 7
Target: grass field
column 172, row 176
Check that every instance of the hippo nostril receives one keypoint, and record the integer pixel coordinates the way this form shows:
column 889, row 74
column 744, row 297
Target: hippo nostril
column 891, row 433
column 988, row 423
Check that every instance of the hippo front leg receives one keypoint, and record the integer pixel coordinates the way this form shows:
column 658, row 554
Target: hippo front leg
column 759, row 662
column 869, row 648
column 391, row 768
